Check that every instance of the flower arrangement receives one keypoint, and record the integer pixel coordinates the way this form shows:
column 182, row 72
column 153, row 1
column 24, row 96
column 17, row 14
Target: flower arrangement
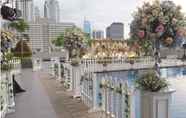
column 150, row 82
column 74, row 42
column 162, row 21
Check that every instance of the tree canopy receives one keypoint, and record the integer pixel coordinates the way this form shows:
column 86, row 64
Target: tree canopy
column 19, row 25
column 59, row 42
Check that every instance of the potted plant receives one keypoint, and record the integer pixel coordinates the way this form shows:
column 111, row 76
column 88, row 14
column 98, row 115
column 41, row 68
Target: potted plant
column 155, row 96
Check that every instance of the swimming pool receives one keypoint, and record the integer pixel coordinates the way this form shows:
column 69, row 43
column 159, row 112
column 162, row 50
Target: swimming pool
column 176, row 78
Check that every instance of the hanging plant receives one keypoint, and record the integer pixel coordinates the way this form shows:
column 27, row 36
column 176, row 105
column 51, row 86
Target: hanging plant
column 119, row 90
column 111, row 87
column 103, row 84
column 127, row 110
column 127, row 104
column 100, row 99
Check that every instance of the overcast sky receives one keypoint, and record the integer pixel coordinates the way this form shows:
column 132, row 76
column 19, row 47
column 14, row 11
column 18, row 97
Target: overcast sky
column 100, row 13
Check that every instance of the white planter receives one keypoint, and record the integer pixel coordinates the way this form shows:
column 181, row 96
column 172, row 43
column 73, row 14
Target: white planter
column 156, row 104
column 76, row 77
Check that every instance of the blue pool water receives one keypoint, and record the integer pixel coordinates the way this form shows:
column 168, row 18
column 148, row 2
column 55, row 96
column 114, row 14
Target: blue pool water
column 177, row 80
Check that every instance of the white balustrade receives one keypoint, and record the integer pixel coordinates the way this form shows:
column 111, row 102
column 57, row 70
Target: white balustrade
column 7, row 102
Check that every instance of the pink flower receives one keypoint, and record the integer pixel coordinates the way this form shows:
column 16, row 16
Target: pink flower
column 141, row 34
column 160, row 28
column 180, row 32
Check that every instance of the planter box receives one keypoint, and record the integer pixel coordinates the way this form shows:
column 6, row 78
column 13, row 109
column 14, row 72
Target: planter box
column 156, row 104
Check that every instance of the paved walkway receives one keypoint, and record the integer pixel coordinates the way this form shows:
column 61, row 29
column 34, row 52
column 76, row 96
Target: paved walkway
column 63, row 102
column 34, row 103
column 46, row 98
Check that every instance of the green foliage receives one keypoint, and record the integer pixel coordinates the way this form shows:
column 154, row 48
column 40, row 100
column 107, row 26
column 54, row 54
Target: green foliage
column 88, row 41
column 8, row 56
column 59, row 42
column 6, row 67
column 19, row 25
column 150, row 82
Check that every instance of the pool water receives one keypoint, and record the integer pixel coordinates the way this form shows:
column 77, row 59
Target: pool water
column 177, row 80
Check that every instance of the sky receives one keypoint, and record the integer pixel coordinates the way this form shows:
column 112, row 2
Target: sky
column 101, row 13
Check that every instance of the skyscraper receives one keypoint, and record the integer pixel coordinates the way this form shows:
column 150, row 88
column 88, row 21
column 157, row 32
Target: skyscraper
column 51, row 10
column 36, row 14
column 87, row 27
column 98, row 34
column 115, row 31
column 26, row 8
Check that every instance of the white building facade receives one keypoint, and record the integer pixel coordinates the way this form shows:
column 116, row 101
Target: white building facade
column 42, row 32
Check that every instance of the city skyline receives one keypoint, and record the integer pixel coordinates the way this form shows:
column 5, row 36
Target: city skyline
column 99, row 13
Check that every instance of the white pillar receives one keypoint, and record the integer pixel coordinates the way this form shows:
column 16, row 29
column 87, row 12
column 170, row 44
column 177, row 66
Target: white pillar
column 11, row 102
column 76, row 71
column 59, row 69
column 156, row 105
column 95, row 106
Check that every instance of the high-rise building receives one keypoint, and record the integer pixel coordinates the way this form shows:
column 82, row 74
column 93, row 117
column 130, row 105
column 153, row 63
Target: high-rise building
column 98, row 34
column 26, row 8
column 115, row 31
column 36, row 14
column 43, row 31
column 52, row 10
column 87, row 27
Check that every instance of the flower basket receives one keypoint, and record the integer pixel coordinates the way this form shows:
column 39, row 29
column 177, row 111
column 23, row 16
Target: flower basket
column 150, row 82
